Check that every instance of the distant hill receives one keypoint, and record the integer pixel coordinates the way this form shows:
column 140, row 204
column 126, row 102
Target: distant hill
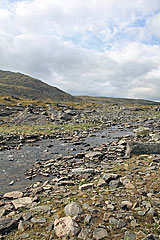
column 119, row 101
column 23, row 86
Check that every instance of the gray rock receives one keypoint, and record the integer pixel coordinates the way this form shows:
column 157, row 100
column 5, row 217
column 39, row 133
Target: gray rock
column 84, row 234
column 24, row 235
column 151, row 237
column 41, row 209
column 115, row 184
column 100, row 233
column 137, row 148
column 22, row 202
column 38, row 220
column 7, row 224
column 113, row 221
column 72, row 209
column 130, row 235
column 153, row 212
column 121, row 224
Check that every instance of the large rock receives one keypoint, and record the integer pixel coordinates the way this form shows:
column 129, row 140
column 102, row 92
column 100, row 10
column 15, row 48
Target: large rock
column 22, row 202
column 14, row 195
column 138, row 148
column 72, row 209
column 65, row 227
column 7, row 224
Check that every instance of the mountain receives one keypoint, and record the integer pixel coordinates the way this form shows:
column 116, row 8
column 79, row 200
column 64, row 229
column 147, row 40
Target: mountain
column 119, row 101
column 23, row 86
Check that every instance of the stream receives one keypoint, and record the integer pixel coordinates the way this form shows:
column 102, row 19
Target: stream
column 14, row 163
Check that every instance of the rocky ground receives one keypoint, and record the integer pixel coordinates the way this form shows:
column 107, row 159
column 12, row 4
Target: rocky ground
column 109, row 191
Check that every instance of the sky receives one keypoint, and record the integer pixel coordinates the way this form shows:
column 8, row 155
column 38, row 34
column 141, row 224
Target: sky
column 85, row 47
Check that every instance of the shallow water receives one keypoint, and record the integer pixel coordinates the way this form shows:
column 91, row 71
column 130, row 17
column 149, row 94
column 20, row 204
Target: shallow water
column 13, row 163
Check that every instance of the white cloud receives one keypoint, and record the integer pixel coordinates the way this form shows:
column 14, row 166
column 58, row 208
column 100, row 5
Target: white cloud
column 84, row 47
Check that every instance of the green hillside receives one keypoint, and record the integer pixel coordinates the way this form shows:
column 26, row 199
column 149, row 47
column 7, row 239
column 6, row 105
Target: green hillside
column 23, row 86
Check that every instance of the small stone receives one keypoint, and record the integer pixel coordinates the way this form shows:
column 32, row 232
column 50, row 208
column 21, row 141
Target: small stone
column 130, row 235
column 72, row 209
column 24, row 235
column 126, row 204
column 121, row 224
column 115, row 184
column 41, row 209
column 100, row 233
column 113, row 221
column 38, row 220
column 153, row 212
column 101, row 183
column 86, row 186
column 84, row 234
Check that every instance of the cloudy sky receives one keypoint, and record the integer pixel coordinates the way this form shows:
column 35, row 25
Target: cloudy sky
column 85, row 47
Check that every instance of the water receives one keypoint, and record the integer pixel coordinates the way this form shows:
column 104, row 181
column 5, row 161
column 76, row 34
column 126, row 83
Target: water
column 13, row 163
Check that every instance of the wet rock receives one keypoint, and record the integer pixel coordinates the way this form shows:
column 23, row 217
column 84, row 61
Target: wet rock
column 72, row 209
column 65, row 227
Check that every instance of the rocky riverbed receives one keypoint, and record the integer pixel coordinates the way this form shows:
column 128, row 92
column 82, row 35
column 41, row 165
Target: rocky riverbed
column 101, row 182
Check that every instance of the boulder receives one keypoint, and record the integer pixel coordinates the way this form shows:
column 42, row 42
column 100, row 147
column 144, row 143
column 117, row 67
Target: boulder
column 65, row 227
column 138, row 148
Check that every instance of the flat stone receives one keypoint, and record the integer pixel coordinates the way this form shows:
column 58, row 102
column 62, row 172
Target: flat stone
column 65, row 227
column 92, row 155
column 77, row 171
column 13, row 195
column 38, row 220
column 100, row 233
column 41, row 209
column 86, row 186
column 72, row 209
column 22, row 202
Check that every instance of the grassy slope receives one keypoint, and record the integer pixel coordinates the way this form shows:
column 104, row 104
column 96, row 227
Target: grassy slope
column 20, row 85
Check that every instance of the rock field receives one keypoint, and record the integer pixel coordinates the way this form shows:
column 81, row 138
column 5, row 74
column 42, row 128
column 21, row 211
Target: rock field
column 102, row 187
